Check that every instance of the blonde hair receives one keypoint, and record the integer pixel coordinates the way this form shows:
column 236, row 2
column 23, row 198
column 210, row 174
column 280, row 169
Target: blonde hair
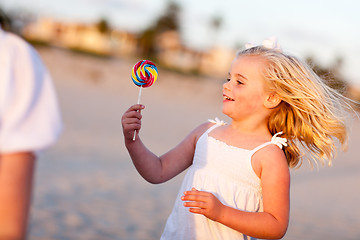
column 311, row 114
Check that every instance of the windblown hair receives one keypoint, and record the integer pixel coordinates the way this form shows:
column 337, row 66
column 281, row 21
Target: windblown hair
column 311, row 115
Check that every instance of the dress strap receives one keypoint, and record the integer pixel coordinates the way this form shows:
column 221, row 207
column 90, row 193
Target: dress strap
column 260, row 147
column 278, row 141
column 217, row 122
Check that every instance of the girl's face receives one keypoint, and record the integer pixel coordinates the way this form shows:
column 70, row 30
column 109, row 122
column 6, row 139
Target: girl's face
column 244, row 92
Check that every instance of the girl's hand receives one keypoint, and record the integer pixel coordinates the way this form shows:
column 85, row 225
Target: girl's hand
column 204, row 203
column 131, row 121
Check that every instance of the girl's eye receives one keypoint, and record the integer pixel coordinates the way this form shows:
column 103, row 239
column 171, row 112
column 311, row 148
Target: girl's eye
column 237, row 81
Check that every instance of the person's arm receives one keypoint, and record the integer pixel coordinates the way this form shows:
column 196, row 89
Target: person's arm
column 152, row 168
column 30, row 121
column 16, row 177
column 273, row 221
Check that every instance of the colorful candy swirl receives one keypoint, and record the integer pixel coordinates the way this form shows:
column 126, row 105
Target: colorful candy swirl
column 144, row 73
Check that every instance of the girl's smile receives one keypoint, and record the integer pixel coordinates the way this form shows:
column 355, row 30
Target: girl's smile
column 244, row 92
column 227, row 98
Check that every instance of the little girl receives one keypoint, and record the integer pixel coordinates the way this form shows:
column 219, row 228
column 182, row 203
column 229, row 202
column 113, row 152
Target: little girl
column 237, row 184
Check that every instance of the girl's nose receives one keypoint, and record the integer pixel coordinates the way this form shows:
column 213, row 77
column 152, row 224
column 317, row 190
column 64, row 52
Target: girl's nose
column 226, row 85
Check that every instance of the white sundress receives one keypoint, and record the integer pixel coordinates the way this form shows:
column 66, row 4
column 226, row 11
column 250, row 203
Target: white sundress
column 226, row 172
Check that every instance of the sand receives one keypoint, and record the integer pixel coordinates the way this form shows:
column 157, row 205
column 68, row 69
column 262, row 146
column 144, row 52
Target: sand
column 87, row 188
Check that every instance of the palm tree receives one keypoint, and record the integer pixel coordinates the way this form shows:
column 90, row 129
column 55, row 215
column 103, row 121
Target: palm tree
column 5, row 21
column 103, row 26
column 166, row 22
column 216, row 23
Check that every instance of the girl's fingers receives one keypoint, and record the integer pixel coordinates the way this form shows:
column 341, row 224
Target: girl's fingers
column 201, row 202
column 136, row 107
column 132, row 114
column 195, row 196
column 195, row 204
column 197, row 210
column 133, row 126
column 131, row 120
column 195, row 192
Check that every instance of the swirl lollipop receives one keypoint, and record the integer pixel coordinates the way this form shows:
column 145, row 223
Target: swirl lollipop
column 144, row 74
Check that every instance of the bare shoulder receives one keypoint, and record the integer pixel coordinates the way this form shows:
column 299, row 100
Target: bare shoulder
column 271, row 159
column 199, row 130
column 203, row 127
column 274, row 157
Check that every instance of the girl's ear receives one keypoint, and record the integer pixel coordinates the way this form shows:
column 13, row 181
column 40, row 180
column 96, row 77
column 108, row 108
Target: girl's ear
column 272, row 101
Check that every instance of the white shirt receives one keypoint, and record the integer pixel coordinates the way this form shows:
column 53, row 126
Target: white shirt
column 29, row 113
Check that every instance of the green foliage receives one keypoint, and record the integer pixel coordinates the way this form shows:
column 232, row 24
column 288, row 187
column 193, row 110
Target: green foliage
column 147, row 43
column 166, row 22
column 170, row 20
column 5, row 21
column 216, row 22
column 103, row 26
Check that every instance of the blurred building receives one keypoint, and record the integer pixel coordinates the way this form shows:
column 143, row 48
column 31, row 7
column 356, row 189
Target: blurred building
column 123, row 43
column 173, row 54
column 85, row 37
column 217, row 61
column 170, row 51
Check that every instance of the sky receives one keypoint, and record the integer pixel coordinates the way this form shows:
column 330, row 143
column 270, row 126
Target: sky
column 323, row 29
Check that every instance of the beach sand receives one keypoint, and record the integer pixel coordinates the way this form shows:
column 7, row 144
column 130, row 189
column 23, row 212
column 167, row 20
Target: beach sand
column 87, row 188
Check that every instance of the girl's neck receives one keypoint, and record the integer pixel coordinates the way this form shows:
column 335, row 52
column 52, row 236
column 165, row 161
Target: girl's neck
column 253, row 127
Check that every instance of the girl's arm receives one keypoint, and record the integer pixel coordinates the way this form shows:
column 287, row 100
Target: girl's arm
column 152, row 168
column 273, row 221
column 16, row 178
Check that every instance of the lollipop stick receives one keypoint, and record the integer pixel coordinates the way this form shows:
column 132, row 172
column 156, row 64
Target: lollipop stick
column 138, row 102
